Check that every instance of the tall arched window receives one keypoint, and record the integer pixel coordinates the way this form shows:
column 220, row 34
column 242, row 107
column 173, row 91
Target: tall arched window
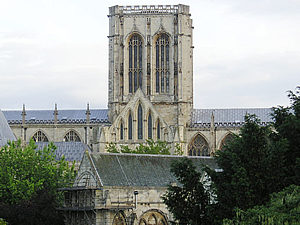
column 135, row 75
column 158, row 129
column 198, row 146
column 121, row 131
column 130, row 126
column 140, row 122
column 149, row 126
column 162, row 78
column 72, row 136
column 40, row 137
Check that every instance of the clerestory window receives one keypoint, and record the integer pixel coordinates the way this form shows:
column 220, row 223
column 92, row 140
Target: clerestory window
column 72, row 136
column 198, row 146
column 40, row 137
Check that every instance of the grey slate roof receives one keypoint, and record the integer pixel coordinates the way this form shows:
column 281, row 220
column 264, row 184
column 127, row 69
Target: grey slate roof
column 140, row 170
column 6, row 133
column 64, row 116
column 228, row 117
column 73, row 151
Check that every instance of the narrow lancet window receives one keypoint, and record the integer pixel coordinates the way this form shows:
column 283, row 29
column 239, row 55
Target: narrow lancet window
column 140, row 122
column 158, row 129
column 149, row 126
column 121, row 131
column 130, row 127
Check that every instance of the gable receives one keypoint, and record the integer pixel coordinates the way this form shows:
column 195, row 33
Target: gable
column 87, row 175
column 6, row 133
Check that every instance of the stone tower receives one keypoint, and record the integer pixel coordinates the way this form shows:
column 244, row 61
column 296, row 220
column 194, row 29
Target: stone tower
column 151, row 49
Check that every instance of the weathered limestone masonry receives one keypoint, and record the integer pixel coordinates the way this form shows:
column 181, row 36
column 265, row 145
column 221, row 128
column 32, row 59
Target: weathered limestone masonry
column 151, row 50
column 123, row 189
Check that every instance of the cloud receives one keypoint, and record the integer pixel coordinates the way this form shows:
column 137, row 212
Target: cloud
column 246, row 52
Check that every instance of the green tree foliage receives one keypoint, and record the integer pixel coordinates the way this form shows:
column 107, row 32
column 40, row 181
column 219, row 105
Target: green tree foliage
column 189, row 201
column 284, row 208
column 29, row 180
column 251, row 165
column 287, row 124
column 151, row 147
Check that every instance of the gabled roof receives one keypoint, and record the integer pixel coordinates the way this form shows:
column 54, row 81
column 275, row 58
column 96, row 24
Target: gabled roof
column 73, row 151
column 228, row 117
column 64, row 116
column 139, row 169
column 6, row 133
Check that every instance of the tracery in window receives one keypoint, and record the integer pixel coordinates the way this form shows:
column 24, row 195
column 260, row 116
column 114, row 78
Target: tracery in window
column 140, row 122
column 130, row 126
column 72, row 136
column 162, row 67
column 149, row 126
column 153, row 218
column 198, row 146
column 119, row 219
column 121, row 131
column 228, row 138
column 135, row 75
column 40, row 137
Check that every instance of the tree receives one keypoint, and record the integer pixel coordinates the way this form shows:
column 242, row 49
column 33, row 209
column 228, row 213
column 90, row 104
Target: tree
column 151, row 147
column 287, row 124
column 282, row 209
column 189, row 201
column 29, row 180
column 251, row 165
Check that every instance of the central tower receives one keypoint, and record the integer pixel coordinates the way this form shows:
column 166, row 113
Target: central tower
column 150, row 48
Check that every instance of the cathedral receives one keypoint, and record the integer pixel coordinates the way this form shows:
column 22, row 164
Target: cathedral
column 150, row 97
column 150, row 92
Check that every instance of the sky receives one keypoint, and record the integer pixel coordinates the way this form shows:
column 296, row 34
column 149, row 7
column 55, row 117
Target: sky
column 247, row 53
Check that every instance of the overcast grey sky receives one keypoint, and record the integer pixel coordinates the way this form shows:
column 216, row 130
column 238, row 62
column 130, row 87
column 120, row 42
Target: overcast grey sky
column 247, row 53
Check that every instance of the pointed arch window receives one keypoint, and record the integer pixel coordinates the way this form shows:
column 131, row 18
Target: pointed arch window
column 119, row 219
column 135, row 75
column 140, row 122
column 162, row 78
column 130, row 127
column 121, row 131
column 227, row 139
column 72, row 136
column 158, row 129
column 198, row 146
column 149, row 126
column 40, row 137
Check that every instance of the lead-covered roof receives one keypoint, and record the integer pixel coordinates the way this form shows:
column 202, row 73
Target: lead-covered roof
column 141, row 170
column 228, row 117
column 73, row 151
column 64, row 116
